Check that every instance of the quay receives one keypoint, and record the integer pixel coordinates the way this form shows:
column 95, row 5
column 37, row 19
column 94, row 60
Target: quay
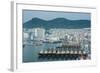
column 62, row 54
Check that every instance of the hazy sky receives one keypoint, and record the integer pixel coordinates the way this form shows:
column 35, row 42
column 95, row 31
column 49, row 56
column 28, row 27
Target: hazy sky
column 48, row 15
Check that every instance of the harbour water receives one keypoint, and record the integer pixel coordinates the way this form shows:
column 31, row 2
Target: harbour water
column 30, row 52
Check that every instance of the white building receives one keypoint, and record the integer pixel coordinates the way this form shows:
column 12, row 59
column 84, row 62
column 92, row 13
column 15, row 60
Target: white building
column 25, row 35
column 39, row 33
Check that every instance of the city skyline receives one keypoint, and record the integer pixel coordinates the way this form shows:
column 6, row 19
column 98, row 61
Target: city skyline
column 60, row 44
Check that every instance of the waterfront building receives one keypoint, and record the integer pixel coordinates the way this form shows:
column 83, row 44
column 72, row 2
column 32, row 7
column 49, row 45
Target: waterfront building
column 39, row 33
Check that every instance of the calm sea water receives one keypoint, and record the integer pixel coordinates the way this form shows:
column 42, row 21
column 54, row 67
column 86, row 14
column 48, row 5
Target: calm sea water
column 30, row 52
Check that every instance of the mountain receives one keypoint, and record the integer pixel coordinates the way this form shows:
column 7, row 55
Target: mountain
column 57, row 23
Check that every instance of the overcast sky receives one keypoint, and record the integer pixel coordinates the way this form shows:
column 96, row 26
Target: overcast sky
column 49, row 15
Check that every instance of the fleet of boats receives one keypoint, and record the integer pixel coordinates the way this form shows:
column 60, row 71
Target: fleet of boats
column 63, row 53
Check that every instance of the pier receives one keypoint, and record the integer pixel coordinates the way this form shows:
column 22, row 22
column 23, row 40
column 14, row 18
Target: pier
column 62, row 54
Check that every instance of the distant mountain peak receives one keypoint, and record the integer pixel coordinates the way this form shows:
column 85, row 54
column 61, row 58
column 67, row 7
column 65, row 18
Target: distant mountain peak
column 35, row 18
column 57, row 23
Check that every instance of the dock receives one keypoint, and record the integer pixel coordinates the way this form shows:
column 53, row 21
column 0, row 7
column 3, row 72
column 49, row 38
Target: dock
column 62, row 54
